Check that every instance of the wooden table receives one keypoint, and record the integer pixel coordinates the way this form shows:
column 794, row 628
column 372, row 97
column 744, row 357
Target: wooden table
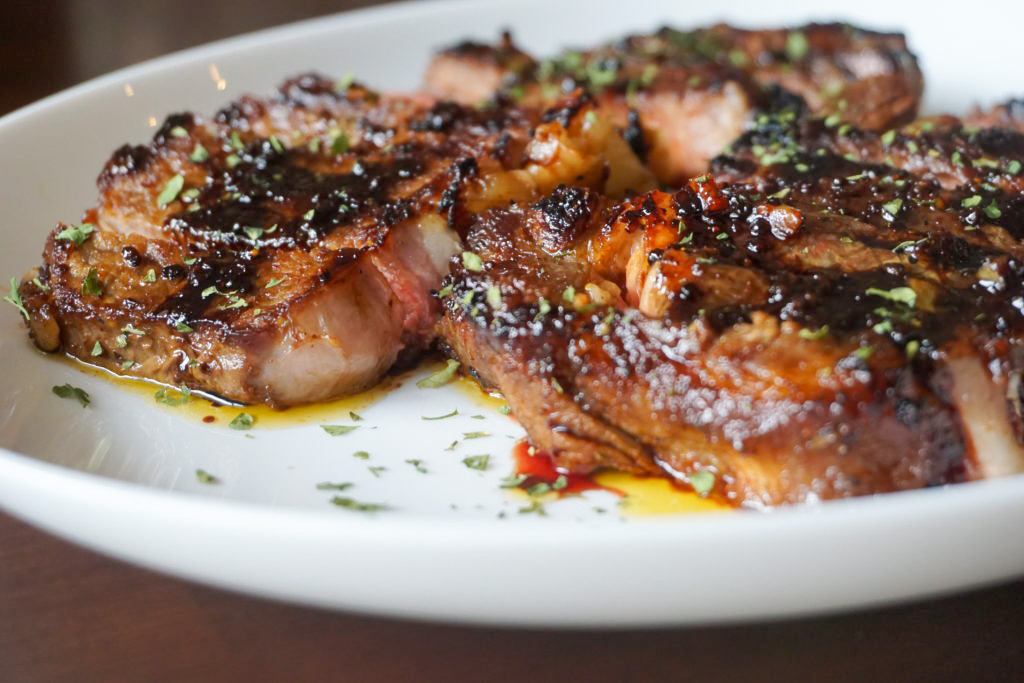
column 67, row 614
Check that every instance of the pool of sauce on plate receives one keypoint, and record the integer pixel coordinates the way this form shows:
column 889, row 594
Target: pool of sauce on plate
column 640, row 496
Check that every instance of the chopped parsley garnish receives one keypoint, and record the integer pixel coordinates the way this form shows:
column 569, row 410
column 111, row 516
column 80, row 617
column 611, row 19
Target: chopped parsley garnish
column 345, row 82
column 971, row 201
column 351, row 504
column 354, row 416
column 903, row 246
column 362, row 455
column 77, row 234
column 91, row 284
column 817, row 334
column 475, row 435
column 1013, row 167
column 796, row 45
column 150, row 276
column 494, row 296
column 199, row 154
column 477, row 462
column 441, row 417
column 234, row 301
column 513, row 481
column 993, row 211
column 418, row 464
column 888, row 137
column 472, row 261
column 903, row 295
column 164, row 395
column 204, row 477
column 14, row 298
column 912, row 348
column 338, row 430
column 274, row 282
column 569, row 294
column 232, row 160
column 253, row 232
column 560, row 483
column 121, row 341
column 308, row 216
column 375, row 471
column 131, row 329
column 97, row 349
column 505, row 410
column 242, row 421
column 171, row 190
column 864, row 352
column 68, row 391
column 331, row 486
column 832, row 121
column 178, row 132
column 339, row 142
column 39, row 283
column 276, row 144
column 441, row 377
column 702, row 482
column 183, row 328
column 892, row 208
column 556, row 385
column 535, row 507
column 543, row 307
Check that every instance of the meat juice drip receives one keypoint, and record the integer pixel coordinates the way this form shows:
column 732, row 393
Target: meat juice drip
column 537, row 468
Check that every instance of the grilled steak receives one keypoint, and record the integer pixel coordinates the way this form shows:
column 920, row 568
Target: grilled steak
column 830, row 313
column 682, row 96
column 284, row 251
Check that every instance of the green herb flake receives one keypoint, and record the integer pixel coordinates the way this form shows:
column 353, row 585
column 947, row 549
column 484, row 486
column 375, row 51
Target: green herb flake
column 815, row 335
column 418, row 464
column 505, row 410
column 351, row 504
column 956, row 159
column 535, row 507
column 242, row 421
column 556, row 385
column 308, row 216
column 892, row 208
column 993, row 211
column 362, row 455
column 165, row 396
column 913, row 346
column 441, row 377
column 796, row 46
column 232, row 160
column 199, row 154
column 276, row 144
column 91, row 284
column 475, row 435
column 14, row 298
column 131, row 329
column 375, row 471
column 494, row 296
column 972, row 201
column 1013, row 167
column 472, row 262
column 121, row 341
column 339, row 142
column 178, row 132
column 38, row 283
column 560, row 483
column 444, row 291
column 332, row 486
column 832, row 121
column 345, row 82
column 702, row 482
column 888, row 137
column 236, row 141
column 543, row 307
column 338, row 430
column 189, row 261
column 904, row 246
column 68, row 391
column 77, row 234
column 354, row 416
column 253, row 232
column 204, row 477
column 171, row 190
column 442, row 417
column 97, row 349
column 182, row 327
column 512, row 481
column 864, row 352
column 477, row 462
column 569, row 294
column 902, row 295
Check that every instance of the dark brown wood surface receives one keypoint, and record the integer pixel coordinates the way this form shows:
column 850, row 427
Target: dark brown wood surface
column 67, row 614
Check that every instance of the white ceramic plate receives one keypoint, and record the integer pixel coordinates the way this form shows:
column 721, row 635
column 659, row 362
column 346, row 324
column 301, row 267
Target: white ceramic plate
column 119, row 476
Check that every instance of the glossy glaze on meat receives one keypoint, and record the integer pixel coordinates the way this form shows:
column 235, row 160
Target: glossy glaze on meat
column 831, row 313
column 683, row 95
column 284, row 251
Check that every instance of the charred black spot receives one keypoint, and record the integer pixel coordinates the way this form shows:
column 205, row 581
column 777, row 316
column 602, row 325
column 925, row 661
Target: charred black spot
column 441, row 117
column 566, row 212
column 633, row 134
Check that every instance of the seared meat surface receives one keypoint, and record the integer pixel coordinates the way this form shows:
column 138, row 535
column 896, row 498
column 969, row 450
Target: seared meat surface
column 284, row 251
column 830, row 313
column 682, row 96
